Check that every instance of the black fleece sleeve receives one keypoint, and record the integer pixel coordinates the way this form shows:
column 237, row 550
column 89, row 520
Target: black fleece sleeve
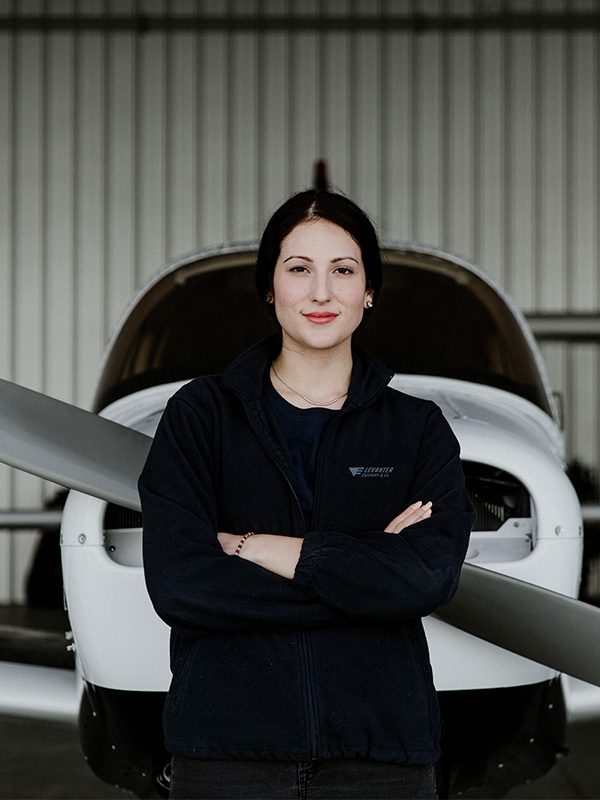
column 380, row 575
column 194, row 585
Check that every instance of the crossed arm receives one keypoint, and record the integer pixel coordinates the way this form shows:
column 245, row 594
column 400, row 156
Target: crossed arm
column 280, row 554
column 330, row 576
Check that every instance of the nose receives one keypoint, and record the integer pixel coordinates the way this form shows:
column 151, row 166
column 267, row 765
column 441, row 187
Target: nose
column 320, row 289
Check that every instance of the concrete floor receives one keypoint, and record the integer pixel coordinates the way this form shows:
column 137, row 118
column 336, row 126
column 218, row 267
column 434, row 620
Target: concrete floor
column 576, row 775
column 42, row 759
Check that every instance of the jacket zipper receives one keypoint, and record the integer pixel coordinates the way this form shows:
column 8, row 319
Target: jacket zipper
column 317, row 495
column 310, row 705
column 310, row 696
column 306, row 647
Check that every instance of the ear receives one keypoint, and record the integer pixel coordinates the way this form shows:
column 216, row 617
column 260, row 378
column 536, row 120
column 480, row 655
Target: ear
column 369, row 300
column 269, row 297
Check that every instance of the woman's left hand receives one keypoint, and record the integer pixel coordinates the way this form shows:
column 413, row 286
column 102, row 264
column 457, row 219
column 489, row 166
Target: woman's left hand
column 229, row 541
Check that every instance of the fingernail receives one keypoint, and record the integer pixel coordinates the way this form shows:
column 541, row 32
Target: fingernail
column 417, row 504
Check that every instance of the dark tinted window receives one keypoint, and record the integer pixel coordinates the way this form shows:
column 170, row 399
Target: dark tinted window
column 437, row 318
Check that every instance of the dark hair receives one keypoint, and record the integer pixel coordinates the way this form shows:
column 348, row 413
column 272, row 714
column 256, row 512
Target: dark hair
column 317, row 204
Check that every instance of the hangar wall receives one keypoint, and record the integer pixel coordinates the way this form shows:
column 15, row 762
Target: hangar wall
column 122, row 149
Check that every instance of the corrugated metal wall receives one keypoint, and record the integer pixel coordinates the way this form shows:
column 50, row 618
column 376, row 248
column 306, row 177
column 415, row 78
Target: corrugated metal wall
column 121, row 150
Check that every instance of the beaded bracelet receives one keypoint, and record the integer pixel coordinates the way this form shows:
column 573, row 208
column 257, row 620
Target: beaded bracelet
column 242, row 540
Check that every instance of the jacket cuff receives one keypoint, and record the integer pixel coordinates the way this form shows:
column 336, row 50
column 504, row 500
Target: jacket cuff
column 309, row 559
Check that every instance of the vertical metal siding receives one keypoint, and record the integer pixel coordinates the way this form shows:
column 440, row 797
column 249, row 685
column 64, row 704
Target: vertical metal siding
column 90, row 121
column 28, row 253
column 458, row 139
column 7, row 192
column 120, row 150
column 181, row 144
column 242, row 141
column 273, row 104
column 398, row 135
column 520, row 220
column 552, row 222
column 212, row 121
column 306, row 84
column 584, row 146
column 152, row 127
column 122, row 168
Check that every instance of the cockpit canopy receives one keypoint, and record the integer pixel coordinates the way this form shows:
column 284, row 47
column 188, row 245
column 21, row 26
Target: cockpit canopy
column 437, row 315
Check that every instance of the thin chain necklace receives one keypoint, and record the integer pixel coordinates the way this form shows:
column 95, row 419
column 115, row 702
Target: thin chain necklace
column 308, row 400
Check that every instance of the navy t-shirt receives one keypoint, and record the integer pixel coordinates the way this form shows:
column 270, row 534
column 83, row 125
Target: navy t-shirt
column 302, row 429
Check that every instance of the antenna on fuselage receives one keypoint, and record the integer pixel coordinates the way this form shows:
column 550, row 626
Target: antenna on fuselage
column 320, row 177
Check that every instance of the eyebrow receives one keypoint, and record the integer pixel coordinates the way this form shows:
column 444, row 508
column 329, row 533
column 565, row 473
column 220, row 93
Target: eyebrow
column 333, row 260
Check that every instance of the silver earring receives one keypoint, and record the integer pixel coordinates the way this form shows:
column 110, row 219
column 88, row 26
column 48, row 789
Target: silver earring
column 369, row 302
column 269, row 297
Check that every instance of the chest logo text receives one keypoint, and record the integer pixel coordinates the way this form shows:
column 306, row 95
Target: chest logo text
column 371, row 472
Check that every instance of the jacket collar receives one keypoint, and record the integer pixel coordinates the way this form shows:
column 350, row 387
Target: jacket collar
column 244, row 375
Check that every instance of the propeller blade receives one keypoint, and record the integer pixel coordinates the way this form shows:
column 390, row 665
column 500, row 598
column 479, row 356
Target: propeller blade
column 541, row 625
column 70, row 446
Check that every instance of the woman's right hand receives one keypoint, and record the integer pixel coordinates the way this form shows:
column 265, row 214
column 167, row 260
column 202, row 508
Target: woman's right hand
column 414, row 513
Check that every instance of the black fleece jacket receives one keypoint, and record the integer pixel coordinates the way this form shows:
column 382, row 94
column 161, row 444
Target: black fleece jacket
column 333, row 663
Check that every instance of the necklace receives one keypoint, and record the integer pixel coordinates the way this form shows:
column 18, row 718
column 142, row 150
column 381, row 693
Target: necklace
column 307, row 399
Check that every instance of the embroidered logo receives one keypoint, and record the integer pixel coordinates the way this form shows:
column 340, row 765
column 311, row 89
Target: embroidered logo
column 371, row 472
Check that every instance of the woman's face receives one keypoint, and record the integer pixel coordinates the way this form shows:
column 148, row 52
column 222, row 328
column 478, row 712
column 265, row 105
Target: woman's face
column 319, row 286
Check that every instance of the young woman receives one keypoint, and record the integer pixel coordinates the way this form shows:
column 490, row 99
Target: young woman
column 300, row 517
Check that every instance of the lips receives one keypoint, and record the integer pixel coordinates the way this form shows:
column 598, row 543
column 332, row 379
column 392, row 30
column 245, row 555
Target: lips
column 321, row 317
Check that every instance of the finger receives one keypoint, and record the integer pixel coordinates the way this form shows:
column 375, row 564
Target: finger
column 424, row 510
column 410, row 514
column 404, row 514
column 409, row 523
column 411, row 509
column 417, row 516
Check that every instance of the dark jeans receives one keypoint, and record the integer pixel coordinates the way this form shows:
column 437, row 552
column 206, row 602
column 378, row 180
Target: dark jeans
column 332, row 779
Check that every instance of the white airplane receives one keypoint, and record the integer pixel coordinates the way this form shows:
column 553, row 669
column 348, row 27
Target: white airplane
column 450, row 334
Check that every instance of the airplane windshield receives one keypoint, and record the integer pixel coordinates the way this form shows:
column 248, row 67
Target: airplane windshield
column 434, row 318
